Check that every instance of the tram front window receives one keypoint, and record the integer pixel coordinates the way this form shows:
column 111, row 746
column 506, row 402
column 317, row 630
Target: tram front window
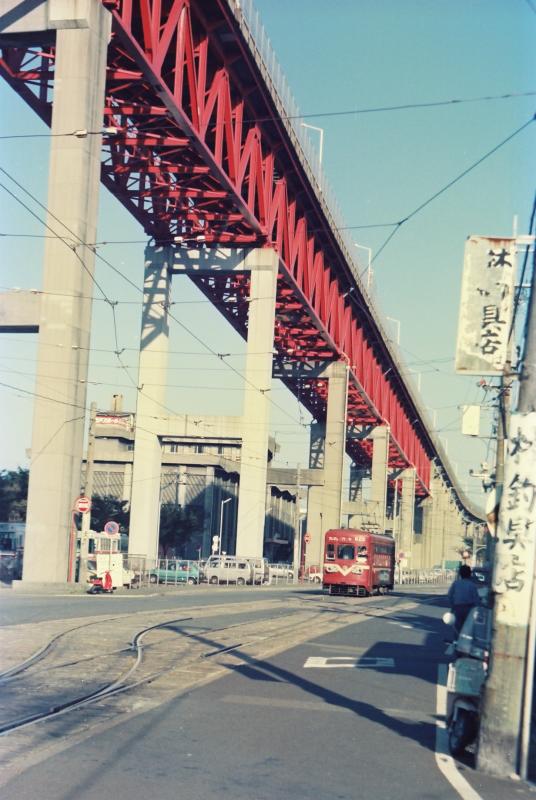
column 346, row 552
column 362, row 553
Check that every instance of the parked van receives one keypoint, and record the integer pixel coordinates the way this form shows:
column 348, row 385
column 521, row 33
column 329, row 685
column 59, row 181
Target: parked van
column 261, row 570
column 236, row 569
column 228, row 569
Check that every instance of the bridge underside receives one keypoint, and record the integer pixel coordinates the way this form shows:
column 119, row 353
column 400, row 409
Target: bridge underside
column 196, row 144
column 197, row 151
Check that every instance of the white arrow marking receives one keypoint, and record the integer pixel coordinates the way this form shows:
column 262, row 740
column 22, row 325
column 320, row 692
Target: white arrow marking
column 348, row 662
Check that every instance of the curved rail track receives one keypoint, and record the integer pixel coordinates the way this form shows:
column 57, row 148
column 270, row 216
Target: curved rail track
column 32, row 697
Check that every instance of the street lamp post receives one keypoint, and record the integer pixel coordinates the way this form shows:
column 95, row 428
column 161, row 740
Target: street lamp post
column 369, row 265
column 321, row 145
column 397, row 321
column 227, row 500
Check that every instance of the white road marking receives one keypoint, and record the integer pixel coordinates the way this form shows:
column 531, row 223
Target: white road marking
column 444, row 760
column 347, row 662
column 318, row 705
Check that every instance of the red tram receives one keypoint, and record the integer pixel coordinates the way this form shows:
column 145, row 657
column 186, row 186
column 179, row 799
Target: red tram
column 358, row 562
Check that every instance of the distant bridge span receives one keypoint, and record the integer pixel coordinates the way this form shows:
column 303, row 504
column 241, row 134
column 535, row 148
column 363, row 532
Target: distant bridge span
column 203, row 151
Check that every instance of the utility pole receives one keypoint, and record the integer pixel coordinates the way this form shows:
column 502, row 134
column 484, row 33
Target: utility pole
column 87, row 490
column 297, row 530
column 505, row 726
column 90, row 459
column 527, row 405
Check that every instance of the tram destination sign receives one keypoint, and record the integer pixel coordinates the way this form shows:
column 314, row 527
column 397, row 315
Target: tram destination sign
column 486, row 305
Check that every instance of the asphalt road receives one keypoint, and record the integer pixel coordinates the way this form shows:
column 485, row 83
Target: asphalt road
column 343, row 708
column 18, row 608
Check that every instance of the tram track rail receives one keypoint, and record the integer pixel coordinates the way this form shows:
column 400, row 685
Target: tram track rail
column 120, row 684
column 201, row 641
column 106, row 691
column 41, row 652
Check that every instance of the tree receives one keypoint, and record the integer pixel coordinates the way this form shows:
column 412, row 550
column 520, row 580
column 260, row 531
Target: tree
column 109, row 509
column 13, row 494
column 177, row 526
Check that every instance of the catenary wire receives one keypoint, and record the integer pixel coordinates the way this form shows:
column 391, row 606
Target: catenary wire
column 447, row 186
column 177, row 321
column 456, row 101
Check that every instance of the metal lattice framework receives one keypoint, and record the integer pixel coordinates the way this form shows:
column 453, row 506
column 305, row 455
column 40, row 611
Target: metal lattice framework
column 202, row 155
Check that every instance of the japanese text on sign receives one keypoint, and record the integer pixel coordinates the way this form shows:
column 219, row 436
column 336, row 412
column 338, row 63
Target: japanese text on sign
column 516, row 532
column 486, row 305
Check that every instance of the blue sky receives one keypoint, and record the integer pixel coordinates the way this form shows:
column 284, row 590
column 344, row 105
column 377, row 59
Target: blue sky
column 337, row 57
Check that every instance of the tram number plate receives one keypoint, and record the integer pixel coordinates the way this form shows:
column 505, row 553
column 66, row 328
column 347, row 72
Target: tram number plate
column 348, row 662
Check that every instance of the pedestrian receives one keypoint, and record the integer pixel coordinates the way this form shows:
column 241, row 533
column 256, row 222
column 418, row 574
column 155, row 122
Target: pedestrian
column 463, row 596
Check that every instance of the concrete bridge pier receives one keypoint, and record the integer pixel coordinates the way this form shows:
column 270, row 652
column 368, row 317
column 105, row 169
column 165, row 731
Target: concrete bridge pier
column 355, row 495
column 263, row 266
column 325, row 502
column 379, row 474
column 257, row 402
column 150, row 408
column 407, row 514
column 82, row 35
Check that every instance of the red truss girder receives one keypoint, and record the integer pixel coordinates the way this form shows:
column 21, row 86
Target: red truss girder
column 189, row 160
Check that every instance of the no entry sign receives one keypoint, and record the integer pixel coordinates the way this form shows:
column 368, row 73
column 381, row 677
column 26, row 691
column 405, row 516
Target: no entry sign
column 82, row 505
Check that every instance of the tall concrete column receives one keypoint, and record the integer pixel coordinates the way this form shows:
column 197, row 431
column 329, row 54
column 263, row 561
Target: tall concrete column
column 256, row 415
column 152, row 378
column 182, row 485
column 431, row 522
column 407, row 513
column 355, row 493
column 127, row 483
column 355, row 490
column 65, row 310
column 439, row 518
column 335, row 443
column 380, row 461
column 325, row 502
column 208, row 506
column 427, row 510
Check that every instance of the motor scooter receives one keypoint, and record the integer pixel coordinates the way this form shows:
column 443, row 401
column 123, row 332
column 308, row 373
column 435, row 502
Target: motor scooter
column 466, row 677
column 101, row 584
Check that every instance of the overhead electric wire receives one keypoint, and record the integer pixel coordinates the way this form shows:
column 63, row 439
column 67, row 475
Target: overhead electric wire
column 200, row 341
column 62, row 402
column 408, row 106
column 89, row 381
column 523, row 270
column 199, row 301
column 448, row 185
column 456, row 101
column 396, row 227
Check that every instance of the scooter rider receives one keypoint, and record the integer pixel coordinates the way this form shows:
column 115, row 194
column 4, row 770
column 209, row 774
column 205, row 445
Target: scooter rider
column 463, row 596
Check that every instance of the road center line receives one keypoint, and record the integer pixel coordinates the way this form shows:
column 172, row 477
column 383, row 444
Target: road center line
column 444, row 760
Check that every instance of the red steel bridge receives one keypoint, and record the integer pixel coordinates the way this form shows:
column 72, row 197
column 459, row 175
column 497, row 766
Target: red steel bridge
column 201, row 148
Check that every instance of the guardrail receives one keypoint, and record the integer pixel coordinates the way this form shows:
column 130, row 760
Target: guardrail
column 139, row 572
column 420, row 576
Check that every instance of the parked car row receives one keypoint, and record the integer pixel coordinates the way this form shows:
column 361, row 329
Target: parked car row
column 176, row 572
column 224, row 569
column 217, row 569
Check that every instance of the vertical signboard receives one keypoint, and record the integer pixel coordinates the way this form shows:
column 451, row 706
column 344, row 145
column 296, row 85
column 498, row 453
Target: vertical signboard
column 486, row 305
column 516, row 532
column 471, row 420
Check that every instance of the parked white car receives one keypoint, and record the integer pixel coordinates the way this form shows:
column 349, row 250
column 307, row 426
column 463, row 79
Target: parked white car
column 283, row 571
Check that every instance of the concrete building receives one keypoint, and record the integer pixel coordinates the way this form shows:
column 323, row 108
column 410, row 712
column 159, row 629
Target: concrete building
column 200, row 470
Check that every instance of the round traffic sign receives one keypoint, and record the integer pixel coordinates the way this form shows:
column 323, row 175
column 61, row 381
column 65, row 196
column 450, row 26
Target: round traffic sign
column 82, row 504
column 111, row 527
